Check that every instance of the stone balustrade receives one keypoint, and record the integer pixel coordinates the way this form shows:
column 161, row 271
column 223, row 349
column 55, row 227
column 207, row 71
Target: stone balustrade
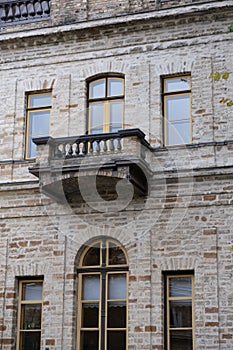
column 12, row 12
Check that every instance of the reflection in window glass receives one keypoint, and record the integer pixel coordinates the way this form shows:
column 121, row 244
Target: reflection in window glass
column 97, row 89
column 38, row 120
column 30, row 312
column 91, row 287
column 178, row 132
column 92, row 256
column 115, row 87
column 180, row 327
column 102, row 304
column 117, row 286
column 116, row 255
column 42, row 100
column 32, row 291
column 105, row 105
column 177, row 84
column 177, row 110
column 178, row 107
column 180, row 286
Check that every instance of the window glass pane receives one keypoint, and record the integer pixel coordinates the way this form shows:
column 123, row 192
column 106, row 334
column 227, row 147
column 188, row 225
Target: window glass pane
column 90, row 315
column 32, row 291
column 177, row 107
column 117, row 286
column 30, row 341
column 96, row 115
column 177, row 84
column 31, row 316
column 115, row 87
column 116, row 314
column 178, row 133
column 92, row 257
column 181, row 340
column 91, row 287
column 180, row 286
column 89, row 340
column 116, row 255
column 39, row 123
column 116, row 112
column 96, row 131
column 97, row 89
column 116, row 340
column 31, row 148
column 43, row 100
column 180, row 313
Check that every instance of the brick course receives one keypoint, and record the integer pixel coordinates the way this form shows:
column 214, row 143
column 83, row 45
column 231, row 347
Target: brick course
column 186, row 221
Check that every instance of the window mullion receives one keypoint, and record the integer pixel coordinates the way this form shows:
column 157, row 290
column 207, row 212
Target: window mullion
column 103, row 312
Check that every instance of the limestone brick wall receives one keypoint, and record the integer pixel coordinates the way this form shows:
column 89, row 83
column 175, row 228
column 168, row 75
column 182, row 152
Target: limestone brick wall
column 186, row 221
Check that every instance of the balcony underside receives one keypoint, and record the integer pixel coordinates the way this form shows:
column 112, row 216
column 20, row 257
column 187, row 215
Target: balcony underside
column 110, row 182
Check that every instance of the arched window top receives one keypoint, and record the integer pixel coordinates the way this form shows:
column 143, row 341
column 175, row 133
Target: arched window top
column 105, row 103
column 104, row 252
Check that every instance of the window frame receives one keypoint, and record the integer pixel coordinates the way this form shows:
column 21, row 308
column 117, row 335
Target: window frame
column 165, row 95
column 168, row 298
column 22, row 302
column 106, row 100
column 31, row 109
column 104, row 270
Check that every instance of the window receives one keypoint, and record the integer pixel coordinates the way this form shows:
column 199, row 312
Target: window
column 29, row 315
column 102, row 321
column 180, row 312
column 177, row 110
column 105, row 104
column 38, row 120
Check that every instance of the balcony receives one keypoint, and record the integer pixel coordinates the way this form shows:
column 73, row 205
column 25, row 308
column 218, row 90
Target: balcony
column 14, row 12
column 72, row 169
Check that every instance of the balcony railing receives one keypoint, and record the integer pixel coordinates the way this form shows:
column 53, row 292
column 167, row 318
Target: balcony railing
column 123, row 154
column 12, row 12
column 95, row 145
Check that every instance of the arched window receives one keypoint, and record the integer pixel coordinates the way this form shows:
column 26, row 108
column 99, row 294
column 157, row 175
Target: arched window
column 102, row 296
column 105, row 104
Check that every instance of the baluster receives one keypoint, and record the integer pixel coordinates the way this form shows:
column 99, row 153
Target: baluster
column 91, row 147
column 45, row 6
column 17, row 11
column 31, row 10
column 3, row 13
column 105, row 148
column 111, row 145
column 77, row 150
column 10, row 13
column 118, row 144
column 23, row 9
column 38, row 8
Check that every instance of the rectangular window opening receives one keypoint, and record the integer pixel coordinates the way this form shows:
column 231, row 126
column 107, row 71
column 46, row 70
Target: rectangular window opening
column 179, row 311
column 38, row 120
column 177, row 101
column 30, row 314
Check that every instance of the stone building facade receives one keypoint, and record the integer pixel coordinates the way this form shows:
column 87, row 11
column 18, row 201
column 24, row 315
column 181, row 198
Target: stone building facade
column 142, row 69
